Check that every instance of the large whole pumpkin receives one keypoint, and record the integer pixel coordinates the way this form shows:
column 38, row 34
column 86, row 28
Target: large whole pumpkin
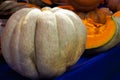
column 43, row 43
column 84, row 5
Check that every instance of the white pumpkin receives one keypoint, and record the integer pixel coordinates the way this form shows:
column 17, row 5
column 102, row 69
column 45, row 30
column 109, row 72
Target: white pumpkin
column 43, row 43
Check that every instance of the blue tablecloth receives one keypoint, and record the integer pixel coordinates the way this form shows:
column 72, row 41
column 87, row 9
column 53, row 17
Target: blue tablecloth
column 103, row 66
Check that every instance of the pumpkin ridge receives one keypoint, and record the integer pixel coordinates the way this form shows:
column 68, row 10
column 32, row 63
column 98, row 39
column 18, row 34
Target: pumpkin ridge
column 59, row 43
column 9, row 31
column 76, row 23
column 58, row 33
column 72, row 59
column 50, row 35
column 35, row 56
column 66, row 47
column 28, row 50
column 14, row 44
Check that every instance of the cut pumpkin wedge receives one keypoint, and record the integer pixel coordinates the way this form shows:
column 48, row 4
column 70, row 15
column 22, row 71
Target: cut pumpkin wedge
column 108, row 39
column 99, row 34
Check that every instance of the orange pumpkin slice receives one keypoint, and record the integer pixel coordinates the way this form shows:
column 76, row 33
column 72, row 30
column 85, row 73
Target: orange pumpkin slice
column 103, row 28
column 99, row 34
column 111, row 37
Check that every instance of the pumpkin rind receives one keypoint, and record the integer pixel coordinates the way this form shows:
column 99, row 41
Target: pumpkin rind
column 45, row 44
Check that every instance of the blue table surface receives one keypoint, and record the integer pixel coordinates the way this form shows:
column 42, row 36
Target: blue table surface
column 103, row 66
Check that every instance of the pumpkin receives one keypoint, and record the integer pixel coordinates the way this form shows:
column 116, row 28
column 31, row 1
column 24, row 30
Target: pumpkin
column 84, row 5
column 45, row 44
column 103, row 30
column 114, row 5
column 40, row 3
column 60, row 1
column 107, row 39
column 7, row 8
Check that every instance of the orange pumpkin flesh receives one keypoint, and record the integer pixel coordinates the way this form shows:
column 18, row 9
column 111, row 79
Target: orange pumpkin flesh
column 99, row 34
